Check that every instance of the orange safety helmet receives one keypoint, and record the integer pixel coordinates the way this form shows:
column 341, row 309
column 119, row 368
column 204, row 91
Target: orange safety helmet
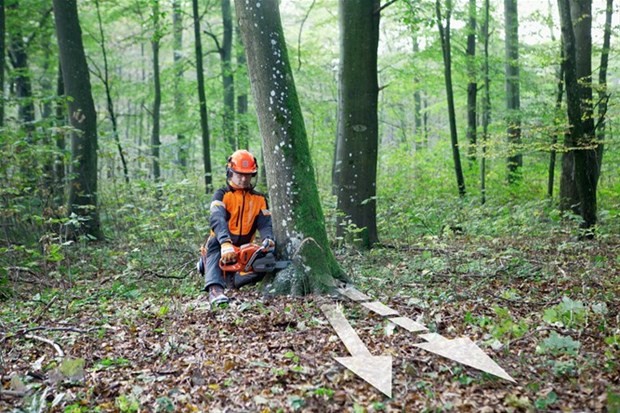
column 242, row 162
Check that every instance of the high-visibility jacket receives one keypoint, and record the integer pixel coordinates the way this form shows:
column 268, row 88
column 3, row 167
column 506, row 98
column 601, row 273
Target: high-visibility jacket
column 236, row 215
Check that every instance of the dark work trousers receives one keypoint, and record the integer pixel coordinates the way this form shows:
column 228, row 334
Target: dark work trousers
column 213, row 273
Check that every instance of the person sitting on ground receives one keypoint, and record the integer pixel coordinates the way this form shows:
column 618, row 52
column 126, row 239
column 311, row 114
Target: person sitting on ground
column 237, row 213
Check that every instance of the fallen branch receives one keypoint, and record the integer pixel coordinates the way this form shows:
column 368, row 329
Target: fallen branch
column 47, row 341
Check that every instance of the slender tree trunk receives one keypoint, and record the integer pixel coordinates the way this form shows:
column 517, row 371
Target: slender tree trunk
column 444, row 33
column 179, row 107
column 486, row 105
column 358, row 124
column 23, row 85
column 417, row 96
column 241, row 80
column 472, row 83
column 83, row 187
column 61, row 120
column 155, row 138
column 202, row 100
column 228, row 126
column 554, row 139
column 108, row 94
column 603, row 95
column 576, row 22
column 2, row 53
column 513, row 99
column 299, row 223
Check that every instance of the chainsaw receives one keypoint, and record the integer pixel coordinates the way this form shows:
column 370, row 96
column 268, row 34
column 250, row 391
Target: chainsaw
column 253, row 262
column 253, row 258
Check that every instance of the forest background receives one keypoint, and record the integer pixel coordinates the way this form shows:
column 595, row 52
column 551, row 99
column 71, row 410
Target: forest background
column 501, row 263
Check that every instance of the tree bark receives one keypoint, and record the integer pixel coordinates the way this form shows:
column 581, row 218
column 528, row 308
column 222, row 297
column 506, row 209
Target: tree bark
column 83, row 185
column 298, row 217
column 202, row 101
column 576, row 22
column 358, row 124
column 444, row 34
column 472, row 83
column 513, row 99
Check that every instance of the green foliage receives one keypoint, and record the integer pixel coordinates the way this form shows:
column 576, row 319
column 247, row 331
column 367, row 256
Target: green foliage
column 568, row 313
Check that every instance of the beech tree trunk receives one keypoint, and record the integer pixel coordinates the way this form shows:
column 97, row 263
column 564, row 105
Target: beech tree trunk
column 82, row 115
column 358, row 129
column 299, row 224
column 202, row 100
column 472, row 83
column 228, row 125
column 576, row 22
column 2, row 53
column 513, row 98
column 179, row 107
column 444, row 34
column 155, row 131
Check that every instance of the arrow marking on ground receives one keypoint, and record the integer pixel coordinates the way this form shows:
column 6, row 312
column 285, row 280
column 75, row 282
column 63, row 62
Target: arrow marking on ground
column 352, row 293
column 464, row 351
column 408, row 324
column 380, row 308
column 376, row 370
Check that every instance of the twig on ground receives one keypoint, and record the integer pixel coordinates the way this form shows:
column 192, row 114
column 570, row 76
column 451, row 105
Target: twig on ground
column 47, row 341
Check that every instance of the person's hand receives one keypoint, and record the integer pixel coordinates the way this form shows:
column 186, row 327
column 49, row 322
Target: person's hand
column 268, row 245
column 227, row 253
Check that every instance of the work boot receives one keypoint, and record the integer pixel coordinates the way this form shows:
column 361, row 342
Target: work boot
column 217, row 297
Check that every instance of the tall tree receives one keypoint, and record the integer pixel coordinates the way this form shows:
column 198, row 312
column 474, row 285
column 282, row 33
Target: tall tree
column 179, row 107
column 357, row 136
column 18, row 54
column 155, row 131
column 299, row 224
column 2, row 53
column 444, row 34
column 202, row 100
column 241, row 87
column 228, row 83
column 603, row 95
column 486, row 104
column 82, row 115
column 576, row 23
column 513, row 98
column 472, row 83
column 105, row 77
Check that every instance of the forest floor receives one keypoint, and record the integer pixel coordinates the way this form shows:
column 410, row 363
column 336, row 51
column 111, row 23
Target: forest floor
column 122, row 339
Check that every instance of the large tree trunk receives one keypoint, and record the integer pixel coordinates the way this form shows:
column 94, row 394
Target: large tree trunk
column 358, row 125
column 2, row 53
column 513, row 99
column 576, row 21
column 603, row 96
column 472, row 83
column 444, row 34
column 179, row 107
column 83, row 186
column 202, row 100
column 298, row 217
column 155, row 138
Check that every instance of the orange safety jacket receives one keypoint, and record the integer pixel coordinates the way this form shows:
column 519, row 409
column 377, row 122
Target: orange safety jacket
column 236, row 215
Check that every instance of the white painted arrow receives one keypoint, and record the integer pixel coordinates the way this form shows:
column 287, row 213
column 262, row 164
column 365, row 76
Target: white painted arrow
column 464, row 351
column 376, row 370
